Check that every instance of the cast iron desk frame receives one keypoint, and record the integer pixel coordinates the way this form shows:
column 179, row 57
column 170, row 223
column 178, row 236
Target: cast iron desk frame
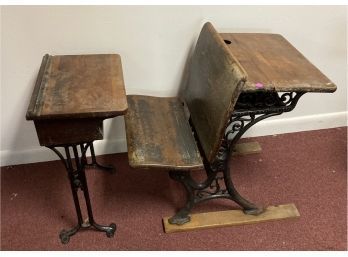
column 61, row 123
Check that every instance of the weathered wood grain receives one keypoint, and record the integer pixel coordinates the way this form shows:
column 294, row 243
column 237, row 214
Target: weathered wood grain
column 232, row 218
column 214, row 83
column 272, row 63
column 72, row 96
column 68, row 131
column 159, row 135
column 78, row 86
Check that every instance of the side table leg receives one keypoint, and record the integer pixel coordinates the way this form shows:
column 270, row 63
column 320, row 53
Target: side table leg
column 95, row 164
column 109, row 230
column 77, row 178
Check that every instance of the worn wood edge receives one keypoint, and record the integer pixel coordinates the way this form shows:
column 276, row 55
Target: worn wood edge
column 232, row 218
column 240, row 149
column 212, row 155
column 247, row 148
column 163, row 166
column 33, row 105
column 238, row 71
column 328, row 87
column 222, row 43
column 83, row 115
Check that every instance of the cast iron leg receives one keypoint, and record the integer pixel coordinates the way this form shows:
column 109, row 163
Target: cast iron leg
column 95, row 164
column 182, row 216
column 248, row 207
column 77, row 178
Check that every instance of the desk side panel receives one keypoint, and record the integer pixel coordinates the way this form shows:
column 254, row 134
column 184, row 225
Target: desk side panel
column 68, row 131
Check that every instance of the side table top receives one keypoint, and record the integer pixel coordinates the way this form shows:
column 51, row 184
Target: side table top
column 78, row 86
column 272, row 63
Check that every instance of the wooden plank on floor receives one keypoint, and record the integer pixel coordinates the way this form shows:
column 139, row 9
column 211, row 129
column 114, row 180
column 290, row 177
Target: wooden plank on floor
column 232, row 218
column 247, row 148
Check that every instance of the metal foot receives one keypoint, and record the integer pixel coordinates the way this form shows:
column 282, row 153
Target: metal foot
column 65, row 235
column 109, row 230
column 179, row 218
column 255, row 211
column 182, row 216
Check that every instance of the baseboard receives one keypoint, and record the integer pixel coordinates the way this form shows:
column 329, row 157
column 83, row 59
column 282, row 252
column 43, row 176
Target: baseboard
column 297, row 124
column 266, row 127
column 42, row 154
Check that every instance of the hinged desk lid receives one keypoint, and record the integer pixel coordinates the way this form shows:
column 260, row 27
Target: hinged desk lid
column 272, row 63
column 78, row 86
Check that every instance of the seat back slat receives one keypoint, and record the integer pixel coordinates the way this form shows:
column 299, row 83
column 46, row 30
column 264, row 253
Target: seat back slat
column 214, row 83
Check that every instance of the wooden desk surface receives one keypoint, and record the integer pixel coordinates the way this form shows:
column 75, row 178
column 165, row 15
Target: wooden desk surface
column 272, row 63
column 78, row 86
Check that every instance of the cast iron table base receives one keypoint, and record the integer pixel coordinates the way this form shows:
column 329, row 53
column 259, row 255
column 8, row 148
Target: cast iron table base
column 77, row 178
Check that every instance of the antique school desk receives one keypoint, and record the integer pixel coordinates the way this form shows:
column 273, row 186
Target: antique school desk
column 72, row 96
column 234, row 80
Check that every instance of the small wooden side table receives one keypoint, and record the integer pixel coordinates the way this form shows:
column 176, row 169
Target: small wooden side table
column 72, row 96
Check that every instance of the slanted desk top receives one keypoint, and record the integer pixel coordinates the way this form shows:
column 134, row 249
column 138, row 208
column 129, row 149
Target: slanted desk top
column 78, row 86
column 72, row 96
column 272, row 63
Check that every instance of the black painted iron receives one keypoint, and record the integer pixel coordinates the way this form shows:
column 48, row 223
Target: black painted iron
column 77, row 178
column 250, row 109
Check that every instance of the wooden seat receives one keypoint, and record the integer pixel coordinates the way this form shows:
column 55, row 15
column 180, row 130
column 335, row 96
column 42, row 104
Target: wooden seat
column 159, row 135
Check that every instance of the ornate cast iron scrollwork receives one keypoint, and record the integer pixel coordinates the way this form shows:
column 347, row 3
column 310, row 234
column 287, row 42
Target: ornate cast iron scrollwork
column 267, row 101
column 254, row 107
column 250, row 109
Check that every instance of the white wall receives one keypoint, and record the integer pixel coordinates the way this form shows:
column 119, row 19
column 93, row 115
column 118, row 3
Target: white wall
column 154, row 43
